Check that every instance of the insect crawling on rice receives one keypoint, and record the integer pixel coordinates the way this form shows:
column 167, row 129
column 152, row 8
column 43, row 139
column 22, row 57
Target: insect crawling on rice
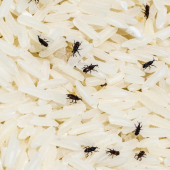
column 112, row 152
column 76, row 48
column 90, row 150
column 103, row 85
column 43, row 42
column 73, row 97
column 148, row 64
column 36, row 1
column 139, row 155
column 138, row 129
column 89, row 68
column 146, row 11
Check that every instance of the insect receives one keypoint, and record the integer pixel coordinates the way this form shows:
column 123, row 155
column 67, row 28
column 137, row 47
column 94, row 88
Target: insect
column 90, row 150
column 76, row 48
column 43, row 42
column 138, row 129
column 146, row 11
column 36, row 1
column 112, row 152
column 73, row 97
column 102, row 85
column 87, row 68
column 148, row 64
column 139, row 155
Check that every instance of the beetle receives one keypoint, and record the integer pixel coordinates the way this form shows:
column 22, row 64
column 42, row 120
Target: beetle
column 36, row 1
column 138, row 129
column 146, row 10
column 112, row 152
column 140, row 155
column 102, row 85
column 148, row 64
column 89, row 68
column 76, row 48
column 43, row 42
column 73, row 97
column 89, row 149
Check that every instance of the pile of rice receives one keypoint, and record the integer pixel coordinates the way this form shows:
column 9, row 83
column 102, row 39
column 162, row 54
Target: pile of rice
column 40, row 129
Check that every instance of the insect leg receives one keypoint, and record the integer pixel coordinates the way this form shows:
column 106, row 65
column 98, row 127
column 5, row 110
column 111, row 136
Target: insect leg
column 154, row 66
column 78, row 53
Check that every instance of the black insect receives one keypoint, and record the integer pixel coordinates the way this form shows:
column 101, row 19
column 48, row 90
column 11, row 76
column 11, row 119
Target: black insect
column 148, row 64
column 76, row 48
column 146, row 10
column 138, row 129
column 43, row 42
column 139, row 155
column 102, row 85
column 87, row 68
column 73, row 97
column 112, row 152
column 90, row 150
column 36, row 1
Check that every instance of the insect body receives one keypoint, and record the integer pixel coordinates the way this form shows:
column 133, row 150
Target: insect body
column 76, row 48
column 139, row 155
column 73, row 97
column 138, row 129
column 90, row 150
column 36, row 1
column 146, row 11
column 112, row 152
column 89, row 68
column 43, row 41
column 148, row 64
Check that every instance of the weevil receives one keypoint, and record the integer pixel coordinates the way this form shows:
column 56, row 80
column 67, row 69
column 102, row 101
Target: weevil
column 43, row 42
column 112, row 152
column 140, row 155
column 148, row 64
column 89, row 68
column 36, row 1
column 103, row 85
column 76, row 48
column 73, row 97
column 138, row 129
column 89, row 149
column 146, row 10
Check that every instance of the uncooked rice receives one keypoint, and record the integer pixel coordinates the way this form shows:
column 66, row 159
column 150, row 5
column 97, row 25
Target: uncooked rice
column 40, row 128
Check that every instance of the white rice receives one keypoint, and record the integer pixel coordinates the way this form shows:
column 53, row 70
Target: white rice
column 40, row 129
